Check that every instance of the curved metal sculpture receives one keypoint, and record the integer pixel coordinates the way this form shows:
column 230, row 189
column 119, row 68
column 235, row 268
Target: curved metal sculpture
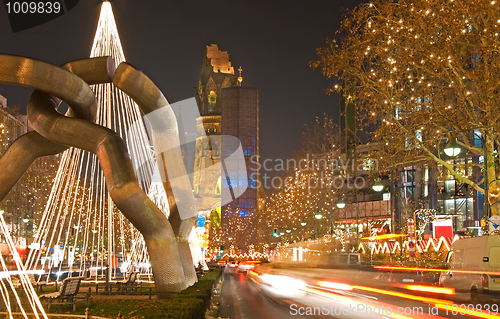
column 52, row 83
column 170, row 163
column 22, row 71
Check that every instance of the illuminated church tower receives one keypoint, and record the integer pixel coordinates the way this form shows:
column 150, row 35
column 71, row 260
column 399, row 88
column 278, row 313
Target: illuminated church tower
column 226, row 108
column 216, row 74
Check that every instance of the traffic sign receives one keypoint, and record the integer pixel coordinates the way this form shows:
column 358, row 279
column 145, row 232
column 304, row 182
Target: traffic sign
column 411, row 249
column 494, row 223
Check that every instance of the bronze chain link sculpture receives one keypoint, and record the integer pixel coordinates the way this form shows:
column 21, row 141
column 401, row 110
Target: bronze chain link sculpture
column 166, row 239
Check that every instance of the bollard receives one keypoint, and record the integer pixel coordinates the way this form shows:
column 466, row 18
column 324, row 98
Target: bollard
column 106, row 286
column 90, row 292
column 150, row 288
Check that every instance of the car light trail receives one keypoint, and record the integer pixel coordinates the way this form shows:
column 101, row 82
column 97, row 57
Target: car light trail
column 334, row 285
column 436, row 290
column 386, row 236
column 402, row 295
column 372, row 304
column 284, row 284
column 438, row 270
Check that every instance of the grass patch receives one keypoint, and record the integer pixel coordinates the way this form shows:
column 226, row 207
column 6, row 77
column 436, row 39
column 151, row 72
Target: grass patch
column 190, row 303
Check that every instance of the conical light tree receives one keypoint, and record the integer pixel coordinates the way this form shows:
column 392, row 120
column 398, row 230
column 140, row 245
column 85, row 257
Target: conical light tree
column 81, row 227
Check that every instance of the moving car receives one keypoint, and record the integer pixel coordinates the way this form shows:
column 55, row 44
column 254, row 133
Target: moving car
column 245, row 266
column 408, row 277
column 474, row 268
column 340, row 260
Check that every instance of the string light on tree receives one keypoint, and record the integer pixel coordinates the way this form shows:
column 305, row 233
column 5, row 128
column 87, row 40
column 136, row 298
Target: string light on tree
column 425, row 70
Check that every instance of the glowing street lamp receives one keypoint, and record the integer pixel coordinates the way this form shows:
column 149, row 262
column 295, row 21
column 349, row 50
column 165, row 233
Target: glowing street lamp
column 340, row 203
column 378, row 187
column 318, row 215
column 452, row 149
column 303, row 224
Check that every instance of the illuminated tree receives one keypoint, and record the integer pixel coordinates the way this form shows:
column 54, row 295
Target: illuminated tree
column 319, row 138
column 422, row 73
column 307, row 181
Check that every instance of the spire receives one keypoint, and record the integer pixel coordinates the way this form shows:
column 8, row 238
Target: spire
column 106, row 39
column 240, row 78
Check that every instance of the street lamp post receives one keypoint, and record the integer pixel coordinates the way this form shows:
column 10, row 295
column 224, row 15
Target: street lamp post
column 317, row 216
column 452, row 149
column 357, row 221
column 486, row 184
column 25, row 221
column 303, row 224
column 378, row 187
column 341, row 205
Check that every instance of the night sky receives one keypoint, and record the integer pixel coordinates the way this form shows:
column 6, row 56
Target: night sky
column 273, row 41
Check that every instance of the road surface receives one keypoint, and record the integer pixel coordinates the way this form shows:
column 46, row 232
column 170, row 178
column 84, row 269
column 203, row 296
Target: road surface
column 243, row 297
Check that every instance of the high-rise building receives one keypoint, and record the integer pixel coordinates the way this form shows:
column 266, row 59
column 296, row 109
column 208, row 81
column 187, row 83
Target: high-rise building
column 240, row 118
column 11, row 126
column 24, row 203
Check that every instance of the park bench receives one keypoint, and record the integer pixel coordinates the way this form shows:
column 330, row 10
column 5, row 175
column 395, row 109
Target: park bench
column 67, row 294
column 37, row 284
column 199, row 272
column 128, row 282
